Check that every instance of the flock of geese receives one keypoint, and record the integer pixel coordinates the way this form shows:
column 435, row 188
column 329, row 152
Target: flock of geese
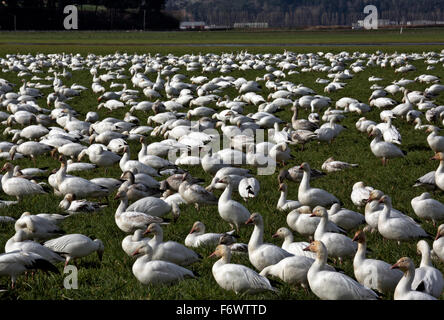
column 184, row 117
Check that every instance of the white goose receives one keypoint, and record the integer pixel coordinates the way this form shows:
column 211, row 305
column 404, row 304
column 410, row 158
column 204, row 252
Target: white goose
column 427, row 208
column 344, row 218
column 435, row 141
column 338, row 245
column 73, row 246
column 374, row 274
column 154, row 207
column 15, row 263
column 382, row 149
column 248, row 188
column 331, row 285
column 312, row 197
column 396, row 228
column 149, row 271
column 427, row 274
column 130, row 221
column 404, row 290
column 129, row 165
column 37, row 227
column 198, row 237
column 438, row 244
column 16, row 186
column 360, row 194
column 170, row 250
column 230, row 210
column 20, row 242
column 284, row 204
column 262, row 254
column 439, row 173
column 236, row 277
column 296, row 248
column 134, row 241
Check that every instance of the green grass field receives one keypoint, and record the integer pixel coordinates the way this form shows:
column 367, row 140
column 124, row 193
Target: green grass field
column 113, row 278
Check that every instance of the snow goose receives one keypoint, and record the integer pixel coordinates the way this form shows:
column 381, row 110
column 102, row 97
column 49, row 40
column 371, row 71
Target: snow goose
column 134, row 241
column 20, row 242
column 194, row 193
column 404, row 290
column 296, row 248
column 426, row 274
column 331, row 285
column 300, row 220
column 332, row 165
column 439, row 173
column 37, row 227
column 31, row 149
column 360, row 194
column 344, row 218
column 16, row 186
column 73, row 246
column 435, row 141
column 397, row 228
column 198, row 238
column 295, row 174
column 372, row 273
column 155, row 207
column 301, row 124
column 127, row 165
column 149, row 271
column 78, row 186
column 230, row 210
column 427, row 208
column 382, row 149
column 130, row 221
column 262, row 254
column 313, row 196
column 171, row 251
column 72, row 206
column 438, row 244
column 284, row 204
column 174, row 181
column 15, row 263
column 427, row 180
column 338, row 245
column 103, row 158
column 237, row 277
column 248, row 188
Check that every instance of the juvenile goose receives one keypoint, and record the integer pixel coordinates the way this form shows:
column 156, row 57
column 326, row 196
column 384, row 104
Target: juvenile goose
column 170, row 250
column 374, row 274
column 344, row 218
column 404, row 289
column 262, row 254
column 331, row 285
column 295, row 174
column 150, row 271
column 312, row 197
column 236, row 277
column 338, row 245
column 284, row 204
column 73, row 246
column 71, row 205
column 427, row 274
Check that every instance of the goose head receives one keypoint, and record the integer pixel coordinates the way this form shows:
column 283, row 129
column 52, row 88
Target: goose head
column 375, row 195
column 404, row 264
column 319, row 211
column 316, row 247
column 282, row 175
column 305, row 167
column 221, row 251
column 70, row 197
column 281, row 233
column 100, row 248
column 197, row 227
column 438, row 156
column 144, row 249
column 128, row 176
column 255, row 219
column 440, row 232
column 7, row 167
column 386, row 200
column 282, row 187
column 359, row 236
column 153, row 228
column 121, row 195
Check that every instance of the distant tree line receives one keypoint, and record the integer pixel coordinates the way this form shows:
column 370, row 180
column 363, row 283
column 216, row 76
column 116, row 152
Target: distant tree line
column 294, row 13
column 92, row 14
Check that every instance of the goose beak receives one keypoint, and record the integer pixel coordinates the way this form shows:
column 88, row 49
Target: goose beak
column 193, row 230
column 212, row 255
column 434, row 157
column 147, row 231
column 395, row 266
column 249, row 221
column 275, row 235
column 306, row 249
column 135, row 253
column 438, row 236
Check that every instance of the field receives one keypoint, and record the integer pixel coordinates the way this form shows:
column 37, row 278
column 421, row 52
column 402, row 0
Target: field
column 113, row 279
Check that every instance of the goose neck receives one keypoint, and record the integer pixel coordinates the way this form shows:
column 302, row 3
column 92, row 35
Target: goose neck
column 425, row 257
column 257, row 236
column 305, row 182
